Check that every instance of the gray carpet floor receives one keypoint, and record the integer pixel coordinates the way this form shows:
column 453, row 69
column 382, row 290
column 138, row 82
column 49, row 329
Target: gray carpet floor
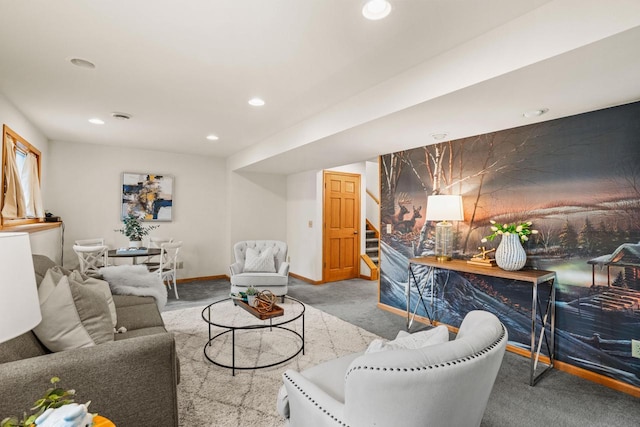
column 559, row 399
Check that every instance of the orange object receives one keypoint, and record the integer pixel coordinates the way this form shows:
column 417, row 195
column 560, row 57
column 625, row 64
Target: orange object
column 100, row 421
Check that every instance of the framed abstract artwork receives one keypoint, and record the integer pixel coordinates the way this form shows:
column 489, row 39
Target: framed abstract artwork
column 149, row 196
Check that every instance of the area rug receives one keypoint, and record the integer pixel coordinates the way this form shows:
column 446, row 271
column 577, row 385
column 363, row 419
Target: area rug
column 209, row 395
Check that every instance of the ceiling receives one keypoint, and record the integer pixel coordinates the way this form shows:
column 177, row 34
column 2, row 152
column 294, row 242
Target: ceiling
column 338, row 88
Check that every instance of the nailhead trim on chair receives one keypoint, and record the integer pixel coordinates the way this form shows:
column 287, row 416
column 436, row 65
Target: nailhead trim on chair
column 439, row 365
column 314, row 402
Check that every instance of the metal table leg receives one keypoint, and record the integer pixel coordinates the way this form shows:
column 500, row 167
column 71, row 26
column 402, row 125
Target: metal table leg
column 548, row 317
column 411, row 316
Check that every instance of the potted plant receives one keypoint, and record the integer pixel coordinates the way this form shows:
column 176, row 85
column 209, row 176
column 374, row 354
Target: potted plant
column 251, row 295
column 134, row 229
column 510, row 254
column 54, row 398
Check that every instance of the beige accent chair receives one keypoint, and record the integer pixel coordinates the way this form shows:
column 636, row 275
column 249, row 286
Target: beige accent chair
column 275, row 278
column 441, row 385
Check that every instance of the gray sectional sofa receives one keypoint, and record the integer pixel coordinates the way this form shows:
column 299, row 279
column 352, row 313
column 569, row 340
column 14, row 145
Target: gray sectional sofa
column 132, row 380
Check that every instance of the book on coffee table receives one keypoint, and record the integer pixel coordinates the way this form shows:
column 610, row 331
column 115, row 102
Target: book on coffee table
column 132, row 251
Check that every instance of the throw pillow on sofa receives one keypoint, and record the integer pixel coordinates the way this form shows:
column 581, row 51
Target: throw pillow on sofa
column 99, row 285
column 257, row 262
column 73, row 316
column 83, row 279
column 407, row 341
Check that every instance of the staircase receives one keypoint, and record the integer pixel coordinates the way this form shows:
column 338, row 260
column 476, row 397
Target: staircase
column 372, row 249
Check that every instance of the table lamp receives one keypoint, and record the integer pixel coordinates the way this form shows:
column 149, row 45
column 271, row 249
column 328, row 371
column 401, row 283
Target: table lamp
column 19, row 303
column 444, row 208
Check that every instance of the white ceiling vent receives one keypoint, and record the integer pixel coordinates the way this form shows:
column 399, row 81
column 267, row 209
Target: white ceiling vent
column 121, row 116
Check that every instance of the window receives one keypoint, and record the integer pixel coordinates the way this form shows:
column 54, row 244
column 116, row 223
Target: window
column 20, row 201
column 21, row 157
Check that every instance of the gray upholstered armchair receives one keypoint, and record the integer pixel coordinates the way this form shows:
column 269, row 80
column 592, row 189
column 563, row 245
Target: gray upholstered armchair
column 445, row 384
column 261, row 264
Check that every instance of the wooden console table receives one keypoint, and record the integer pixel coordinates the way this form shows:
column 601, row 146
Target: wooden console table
column 535, row 277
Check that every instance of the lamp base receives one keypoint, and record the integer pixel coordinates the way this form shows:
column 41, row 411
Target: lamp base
column 443, row 249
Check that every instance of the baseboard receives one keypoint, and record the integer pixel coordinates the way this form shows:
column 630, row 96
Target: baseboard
column 200, row 279
column 597, row 378
column 304, row 279
column 560, row 366
column 226, row 277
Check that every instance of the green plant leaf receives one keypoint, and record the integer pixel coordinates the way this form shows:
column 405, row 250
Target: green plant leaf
column 38, row 403
column 53, row 398
column 32, row 419
column 9, row 422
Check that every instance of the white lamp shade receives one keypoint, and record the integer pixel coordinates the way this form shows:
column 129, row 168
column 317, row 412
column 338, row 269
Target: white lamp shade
column 19, row 303
column 444, row 208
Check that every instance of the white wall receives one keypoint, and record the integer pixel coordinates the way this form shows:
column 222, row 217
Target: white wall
column 44, row 242
column 304, row 204
column 10, row 116
column 85, row 190
column 373, row 187
column 256, row 207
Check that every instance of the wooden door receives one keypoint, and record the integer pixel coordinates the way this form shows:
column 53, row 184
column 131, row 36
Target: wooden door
column 341, row 221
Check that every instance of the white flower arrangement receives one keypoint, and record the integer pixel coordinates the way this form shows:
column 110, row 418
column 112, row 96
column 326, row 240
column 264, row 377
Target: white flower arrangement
column 522, row 229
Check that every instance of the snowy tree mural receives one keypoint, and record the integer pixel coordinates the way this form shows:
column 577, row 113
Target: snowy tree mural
column 578, row 180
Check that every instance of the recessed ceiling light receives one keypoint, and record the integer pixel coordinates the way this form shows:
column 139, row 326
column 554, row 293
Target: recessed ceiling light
column 439, row 136
column 376, row 9
column 212, row 137
column 82, row 63
column 96, row 121
column 120, row 116
column 535, row 113
column 256, row 102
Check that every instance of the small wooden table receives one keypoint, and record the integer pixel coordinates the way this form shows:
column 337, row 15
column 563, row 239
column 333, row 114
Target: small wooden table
column 534, row 277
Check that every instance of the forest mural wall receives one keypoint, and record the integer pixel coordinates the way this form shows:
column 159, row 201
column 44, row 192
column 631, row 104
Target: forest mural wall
column 578, row 180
